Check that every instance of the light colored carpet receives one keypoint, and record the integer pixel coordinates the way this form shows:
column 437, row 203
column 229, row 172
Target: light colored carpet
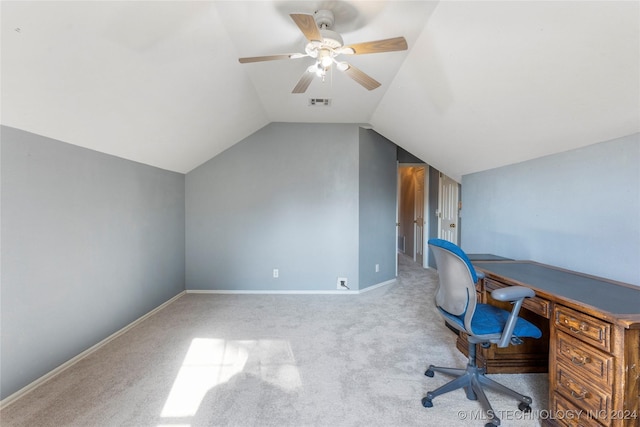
column 276, row 360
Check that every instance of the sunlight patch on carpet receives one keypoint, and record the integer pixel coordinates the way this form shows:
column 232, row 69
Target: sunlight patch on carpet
column 210, row 362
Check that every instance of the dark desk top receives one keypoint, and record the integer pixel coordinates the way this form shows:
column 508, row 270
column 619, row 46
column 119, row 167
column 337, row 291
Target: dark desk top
column 486, row 257
column 602, row 294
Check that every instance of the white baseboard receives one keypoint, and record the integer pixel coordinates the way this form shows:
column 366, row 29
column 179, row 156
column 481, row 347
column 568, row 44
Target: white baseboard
column 379, row 285
column 291, row 292
column 270, row 292
column 46, row 377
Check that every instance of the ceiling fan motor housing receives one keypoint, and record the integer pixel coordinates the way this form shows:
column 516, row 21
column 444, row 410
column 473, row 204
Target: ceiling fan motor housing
column 331, row 39
column 324, row 18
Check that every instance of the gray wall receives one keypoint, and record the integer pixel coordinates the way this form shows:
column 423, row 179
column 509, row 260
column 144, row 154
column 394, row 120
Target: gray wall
column 406, row 157
column 90, row 243
column 378, row 187
column 286, row 197
column 432, row 218
column 579, row 210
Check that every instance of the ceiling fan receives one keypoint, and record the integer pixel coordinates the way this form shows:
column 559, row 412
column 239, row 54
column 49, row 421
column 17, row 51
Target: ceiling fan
column 325, row 45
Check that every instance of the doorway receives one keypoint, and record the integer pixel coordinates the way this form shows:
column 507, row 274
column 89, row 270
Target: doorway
column 412, row 227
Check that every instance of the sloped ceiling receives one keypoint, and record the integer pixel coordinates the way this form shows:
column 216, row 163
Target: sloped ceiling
column 483, row 84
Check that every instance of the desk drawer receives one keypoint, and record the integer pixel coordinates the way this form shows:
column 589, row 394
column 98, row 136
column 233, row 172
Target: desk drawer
column 536, row 305
column 569, row 415
column 592, row 364
column 584, row 327
column 581, row 393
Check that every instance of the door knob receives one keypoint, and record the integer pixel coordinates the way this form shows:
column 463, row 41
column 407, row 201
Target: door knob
column 452, row 225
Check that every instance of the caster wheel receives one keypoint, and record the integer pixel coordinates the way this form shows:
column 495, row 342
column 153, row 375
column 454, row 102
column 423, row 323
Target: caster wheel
column 426, row 402
column 429, row 373
column 524, row 407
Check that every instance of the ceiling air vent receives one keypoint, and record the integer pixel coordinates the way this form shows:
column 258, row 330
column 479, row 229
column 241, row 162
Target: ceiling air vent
column 319, row 102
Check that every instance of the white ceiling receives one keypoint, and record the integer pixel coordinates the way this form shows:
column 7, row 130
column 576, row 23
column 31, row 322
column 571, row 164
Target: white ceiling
column 483, row 84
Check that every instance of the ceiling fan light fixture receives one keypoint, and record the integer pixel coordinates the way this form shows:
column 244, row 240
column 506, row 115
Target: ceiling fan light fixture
column 325, row 58
column 342, row 66
column 318, row 69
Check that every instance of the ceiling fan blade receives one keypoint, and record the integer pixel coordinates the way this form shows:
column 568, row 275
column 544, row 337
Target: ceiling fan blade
column 303, row 83
column 361, row 77
column 271, row 57
column 378, row 46
column 308, row 26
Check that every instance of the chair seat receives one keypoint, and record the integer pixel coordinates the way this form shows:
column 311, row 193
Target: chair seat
column 490, row 320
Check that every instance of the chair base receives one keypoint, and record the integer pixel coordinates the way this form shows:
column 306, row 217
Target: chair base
column 473, row 379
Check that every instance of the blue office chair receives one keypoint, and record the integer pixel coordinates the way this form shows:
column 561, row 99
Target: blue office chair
column 483, row 323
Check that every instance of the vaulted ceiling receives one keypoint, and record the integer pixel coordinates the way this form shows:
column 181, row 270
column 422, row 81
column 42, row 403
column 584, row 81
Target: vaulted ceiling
column 482, row 84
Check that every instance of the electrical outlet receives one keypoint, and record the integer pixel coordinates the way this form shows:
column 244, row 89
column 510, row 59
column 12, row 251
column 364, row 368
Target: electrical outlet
column 342, row 284
column 276, row 273
column 377, row 268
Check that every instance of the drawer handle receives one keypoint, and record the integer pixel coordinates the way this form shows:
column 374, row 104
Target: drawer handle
column 575, row 326
column 581, row 395
column 577, row 331
column 580, row 360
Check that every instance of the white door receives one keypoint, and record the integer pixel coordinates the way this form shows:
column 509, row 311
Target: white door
column 448, row 209
column 419, row 216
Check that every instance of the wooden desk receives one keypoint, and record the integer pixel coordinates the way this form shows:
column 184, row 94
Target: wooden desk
column 591, row 339
column 487, row 257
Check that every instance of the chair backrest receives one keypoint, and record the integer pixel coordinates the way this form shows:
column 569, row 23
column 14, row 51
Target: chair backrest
column 456, row 293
